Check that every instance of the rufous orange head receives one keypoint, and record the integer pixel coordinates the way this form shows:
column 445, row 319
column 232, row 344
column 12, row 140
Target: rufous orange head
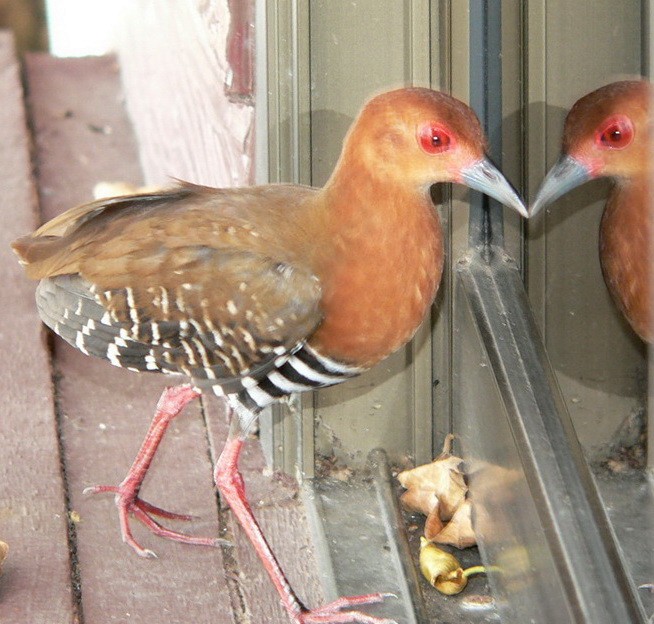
column 417, row 137
column 607, row 133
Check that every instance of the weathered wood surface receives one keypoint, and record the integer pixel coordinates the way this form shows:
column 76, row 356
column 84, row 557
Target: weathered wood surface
column 35, row 584
column 82, row 136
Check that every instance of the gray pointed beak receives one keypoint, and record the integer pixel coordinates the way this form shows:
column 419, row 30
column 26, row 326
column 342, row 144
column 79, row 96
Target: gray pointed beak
column 485, row 177
column 565, row 175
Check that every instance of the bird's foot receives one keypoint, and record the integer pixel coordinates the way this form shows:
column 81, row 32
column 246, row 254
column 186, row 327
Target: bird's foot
column 129, row 503
column 332, row 613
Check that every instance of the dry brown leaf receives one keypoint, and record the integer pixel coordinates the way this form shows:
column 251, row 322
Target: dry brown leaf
column 4, row 549
column 458, row 531
column 441, row 481
column 417, row 499
column 434, row 525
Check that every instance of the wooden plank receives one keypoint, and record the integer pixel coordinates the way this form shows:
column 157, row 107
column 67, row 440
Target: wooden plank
column 82, row 136
column 35, row 585
column 274, row 500
column 106, row 416
column 82, row 132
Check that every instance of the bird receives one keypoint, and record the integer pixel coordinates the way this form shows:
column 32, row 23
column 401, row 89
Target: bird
column 255, row 293
column 608, row 133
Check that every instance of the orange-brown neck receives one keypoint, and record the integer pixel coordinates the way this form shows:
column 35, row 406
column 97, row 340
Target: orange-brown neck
column 626, row 252
column 379, row 271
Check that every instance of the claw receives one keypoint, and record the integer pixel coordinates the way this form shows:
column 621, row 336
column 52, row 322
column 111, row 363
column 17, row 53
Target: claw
column 128, row 503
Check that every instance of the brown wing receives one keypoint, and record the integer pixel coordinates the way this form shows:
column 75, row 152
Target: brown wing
column 121, row 281
column 109, row 232
column 246, row 313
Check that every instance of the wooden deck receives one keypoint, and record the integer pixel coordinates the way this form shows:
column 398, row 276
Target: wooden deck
column 70, row 421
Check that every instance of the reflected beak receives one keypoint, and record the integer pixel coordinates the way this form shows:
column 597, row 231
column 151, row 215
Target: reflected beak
column 485, row 177
column 565, row 175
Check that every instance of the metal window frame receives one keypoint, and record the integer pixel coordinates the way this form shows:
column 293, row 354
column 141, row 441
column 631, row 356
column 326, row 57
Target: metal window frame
column 290, row 437
column 560, row 520
column 556, row 513
column 572, row 532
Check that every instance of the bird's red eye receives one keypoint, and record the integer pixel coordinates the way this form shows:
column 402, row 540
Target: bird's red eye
column 615, row 133
column 434, row 139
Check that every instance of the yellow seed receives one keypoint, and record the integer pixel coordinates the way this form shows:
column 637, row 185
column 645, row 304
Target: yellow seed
column 441, row 569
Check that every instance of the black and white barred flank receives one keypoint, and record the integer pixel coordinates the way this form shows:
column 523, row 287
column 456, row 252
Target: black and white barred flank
column 305, row 369
column 69, row 306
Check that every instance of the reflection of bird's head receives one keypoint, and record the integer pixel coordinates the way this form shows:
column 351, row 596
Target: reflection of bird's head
column 607, row 133
column 609, row 130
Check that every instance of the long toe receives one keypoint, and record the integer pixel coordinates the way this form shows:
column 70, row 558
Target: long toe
column 161, row 531
column 333, row 613
column 131, row 505
column 342, row 617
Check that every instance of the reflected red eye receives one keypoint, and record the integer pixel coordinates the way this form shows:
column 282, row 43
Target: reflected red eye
column 615, row 133
column 434, row 139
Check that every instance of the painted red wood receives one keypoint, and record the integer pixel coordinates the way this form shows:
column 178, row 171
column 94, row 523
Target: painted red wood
column 240, row 51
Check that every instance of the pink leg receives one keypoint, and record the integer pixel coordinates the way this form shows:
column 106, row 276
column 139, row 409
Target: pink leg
column 230, row 483
column 171, row 403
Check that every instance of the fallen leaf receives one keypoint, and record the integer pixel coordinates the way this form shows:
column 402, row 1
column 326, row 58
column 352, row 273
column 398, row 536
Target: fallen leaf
column 419, row 499
column 443, row 570
column 458, row 531
column 441, row 482
column 434, row 525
